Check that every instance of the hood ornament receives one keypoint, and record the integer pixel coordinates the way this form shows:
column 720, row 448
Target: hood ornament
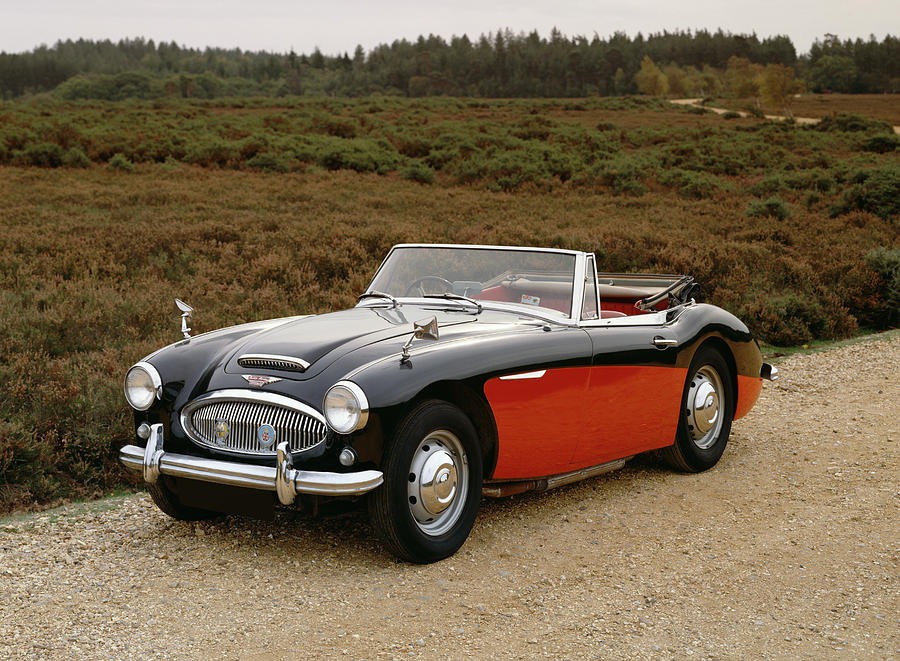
column 186, row 319
column 426, row 329
column 257, row 380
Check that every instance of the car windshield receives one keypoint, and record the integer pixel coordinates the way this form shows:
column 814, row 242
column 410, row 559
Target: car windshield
column 529, row 278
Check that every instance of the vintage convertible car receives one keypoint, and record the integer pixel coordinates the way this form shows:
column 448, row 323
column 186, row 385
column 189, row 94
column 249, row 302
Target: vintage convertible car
column 462, row 371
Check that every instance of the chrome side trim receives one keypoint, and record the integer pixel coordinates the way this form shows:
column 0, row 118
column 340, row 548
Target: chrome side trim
column 524, row 375
column 500, row 489
column 250, row 476
column 273, row 361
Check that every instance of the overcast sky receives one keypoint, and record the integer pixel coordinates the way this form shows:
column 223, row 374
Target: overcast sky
column 336, row 26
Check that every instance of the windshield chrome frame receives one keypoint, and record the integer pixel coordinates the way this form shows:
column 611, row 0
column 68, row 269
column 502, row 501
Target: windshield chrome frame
column 577, row 294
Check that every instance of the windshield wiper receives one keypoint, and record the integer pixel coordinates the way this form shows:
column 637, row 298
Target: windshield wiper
column 379, row 294
column 457, row 297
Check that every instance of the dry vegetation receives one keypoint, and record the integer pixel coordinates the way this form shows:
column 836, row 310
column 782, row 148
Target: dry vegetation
column 884, row 107
column 262, row 211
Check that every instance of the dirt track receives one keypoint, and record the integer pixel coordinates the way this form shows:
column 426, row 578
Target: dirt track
column 790, row 547
column 721, row 111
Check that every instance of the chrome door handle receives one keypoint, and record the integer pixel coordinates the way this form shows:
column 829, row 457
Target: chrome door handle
column 663, row 342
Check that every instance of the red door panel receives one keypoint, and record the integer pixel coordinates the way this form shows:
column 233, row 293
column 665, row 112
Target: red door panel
column 632, row 409
column 539, row 421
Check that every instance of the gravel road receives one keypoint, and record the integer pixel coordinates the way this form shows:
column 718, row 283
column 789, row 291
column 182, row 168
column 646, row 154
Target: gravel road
column 790, row 547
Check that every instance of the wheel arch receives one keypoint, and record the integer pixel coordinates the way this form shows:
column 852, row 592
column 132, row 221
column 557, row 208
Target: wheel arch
column 475, row 406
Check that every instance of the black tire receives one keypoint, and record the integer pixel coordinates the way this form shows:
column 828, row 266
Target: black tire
column 698, row 448
column 168, row 502
column 435, row 439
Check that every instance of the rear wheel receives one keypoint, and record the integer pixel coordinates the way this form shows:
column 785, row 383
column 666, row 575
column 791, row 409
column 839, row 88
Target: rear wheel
column 707, row 410
column 427, row 505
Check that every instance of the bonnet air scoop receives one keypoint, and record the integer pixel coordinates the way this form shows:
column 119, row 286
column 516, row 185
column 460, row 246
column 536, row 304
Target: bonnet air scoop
column 273, row 362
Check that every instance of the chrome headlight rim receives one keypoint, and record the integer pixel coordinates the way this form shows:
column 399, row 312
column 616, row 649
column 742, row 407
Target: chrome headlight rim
column 357, row 421
column 155, row 381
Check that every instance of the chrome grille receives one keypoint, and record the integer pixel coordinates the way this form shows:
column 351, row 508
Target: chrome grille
column 244, row 416
column 267, row 361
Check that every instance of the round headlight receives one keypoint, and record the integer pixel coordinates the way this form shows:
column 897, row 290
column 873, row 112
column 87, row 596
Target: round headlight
column 346, row 407
column 142, row 385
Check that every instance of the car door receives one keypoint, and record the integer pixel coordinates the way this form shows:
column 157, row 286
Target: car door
column 539, row 411
column 634, row 389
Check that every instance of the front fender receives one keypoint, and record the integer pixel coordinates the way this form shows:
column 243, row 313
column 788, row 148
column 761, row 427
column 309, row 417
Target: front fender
column 391, row 381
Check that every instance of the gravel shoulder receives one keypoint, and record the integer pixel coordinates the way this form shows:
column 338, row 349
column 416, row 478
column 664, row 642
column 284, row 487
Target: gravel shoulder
column 790, row 547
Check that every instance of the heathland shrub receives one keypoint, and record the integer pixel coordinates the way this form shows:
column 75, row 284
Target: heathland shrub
column 689, row 184
column 881, row 144
column 269, row 162
column 886, row 263
column 418, row 172
column 75, row 158
column 774, row 207
column 849, row 122
column 876, row 190
column 790, row 319
column 731, row 114
column 120, row 162
column 43, row 154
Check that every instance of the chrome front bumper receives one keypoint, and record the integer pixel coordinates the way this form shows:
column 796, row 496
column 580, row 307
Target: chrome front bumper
column 284, row 479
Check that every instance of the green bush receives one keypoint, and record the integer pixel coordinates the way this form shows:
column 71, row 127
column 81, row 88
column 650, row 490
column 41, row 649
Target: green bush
column 876, row 190
column 772, row 183
column 269, row 162
column 121, row 163
column 886, row 263
column 418, row 172
column 691, row 185
column 44, row 155
column 75, row 158
column 731, row 114
column 755, row 111
column 790, row 319
column 845, row 122
column 774, row 207
column 881, row 144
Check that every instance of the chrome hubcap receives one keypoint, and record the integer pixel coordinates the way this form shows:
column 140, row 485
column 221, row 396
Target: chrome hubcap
column 438, row 481
column 703, row 407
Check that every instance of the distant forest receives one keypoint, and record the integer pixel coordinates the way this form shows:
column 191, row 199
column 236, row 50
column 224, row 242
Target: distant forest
column 503, row 64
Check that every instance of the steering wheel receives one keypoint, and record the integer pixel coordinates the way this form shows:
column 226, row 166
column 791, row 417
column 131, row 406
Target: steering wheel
column 419, row 282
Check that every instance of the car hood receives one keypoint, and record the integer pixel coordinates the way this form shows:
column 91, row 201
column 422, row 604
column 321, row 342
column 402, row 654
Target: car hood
column 319, row 340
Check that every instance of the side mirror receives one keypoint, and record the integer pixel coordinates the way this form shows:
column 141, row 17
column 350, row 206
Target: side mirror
column 426, row 329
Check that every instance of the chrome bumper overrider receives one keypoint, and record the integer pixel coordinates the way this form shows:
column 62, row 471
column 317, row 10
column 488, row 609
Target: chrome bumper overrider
column 284, row 479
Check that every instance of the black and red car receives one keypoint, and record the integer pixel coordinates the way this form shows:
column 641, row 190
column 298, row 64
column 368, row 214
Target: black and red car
column 462, row 371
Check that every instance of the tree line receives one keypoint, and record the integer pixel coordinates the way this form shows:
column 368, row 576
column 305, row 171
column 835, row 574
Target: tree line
column 502, row 64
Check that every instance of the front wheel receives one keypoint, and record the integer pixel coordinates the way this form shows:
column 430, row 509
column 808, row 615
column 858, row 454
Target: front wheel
column 168, row 502
column 427, row 505
column 707, row 410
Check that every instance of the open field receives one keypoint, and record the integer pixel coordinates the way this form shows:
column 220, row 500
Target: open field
column 265, row 209
column 788, row 548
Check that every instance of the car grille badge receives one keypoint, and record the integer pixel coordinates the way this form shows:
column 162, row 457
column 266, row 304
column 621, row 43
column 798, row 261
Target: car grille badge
column 260, row 381
column 221, row 432
column 266, row 435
